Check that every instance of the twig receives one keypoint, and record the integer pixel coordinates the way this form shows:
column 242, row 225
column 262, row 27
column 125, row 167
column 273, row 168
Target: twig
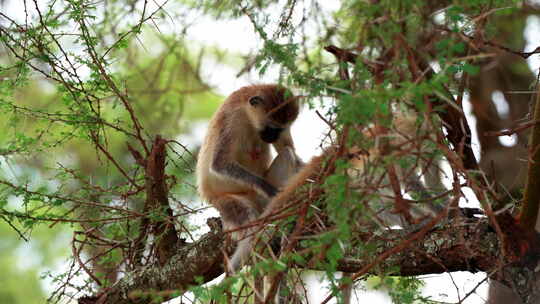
column 21, row 235
column 511, row 131
column 83, row 266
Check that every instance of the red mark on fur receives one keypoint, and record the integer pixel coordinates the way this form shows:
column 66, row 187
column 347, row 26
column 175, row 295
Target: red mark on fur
column 255, row 153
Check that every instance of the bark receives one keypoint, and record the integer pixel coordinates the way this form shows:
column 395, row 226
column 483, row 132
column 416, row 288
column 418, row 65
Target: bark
column 157, row 199
column 531, row 198
column 157, row 196
column 192, row 264
column 471, row 246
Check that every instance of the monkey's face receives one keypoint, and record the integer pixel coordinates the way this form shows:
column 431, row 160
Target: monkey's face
column 271, row 112
column 270, row 133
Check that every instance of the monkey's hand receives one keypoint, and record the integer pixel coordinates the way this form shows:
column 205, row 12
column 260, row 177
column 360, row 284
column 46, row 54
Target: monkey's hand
column 285, row 165
column 269, row 190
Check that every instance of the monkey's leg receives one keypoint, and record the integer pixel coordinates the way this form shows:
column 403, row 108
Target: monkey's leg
column 237, row 211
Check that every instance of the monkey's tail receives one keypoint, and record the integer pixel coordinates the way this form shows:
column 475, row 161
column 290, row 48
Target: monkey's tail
column 292, row 185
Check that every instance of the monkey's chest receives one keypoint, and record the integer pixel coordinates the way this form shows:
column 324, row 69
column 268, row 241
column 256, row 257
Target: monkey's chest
column 255, row 154
column 256, row 157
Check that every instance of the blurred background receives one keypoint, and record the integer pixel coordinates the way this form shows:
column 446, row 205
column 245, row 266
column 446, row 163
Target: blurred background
column 183, row 62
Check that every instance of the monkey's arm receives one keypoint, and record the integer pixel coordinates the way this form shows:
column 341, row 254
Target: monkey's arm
column 282, row 168
column 285, row 141
column 224, row 164
column 281, row 173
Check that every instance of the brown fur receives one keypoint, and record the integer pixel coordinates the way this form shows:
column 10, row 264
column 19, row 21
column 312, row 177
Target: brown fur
column 293, row 184
column 234, row 160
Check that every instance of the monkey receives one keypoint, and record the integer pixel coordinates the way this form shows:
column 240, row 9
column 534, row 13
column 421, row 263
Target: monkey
column 234, row 170
column 358, row 162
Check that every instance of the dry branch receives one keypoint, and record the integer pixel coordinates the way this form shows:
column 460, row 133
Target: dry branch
column 201, row 260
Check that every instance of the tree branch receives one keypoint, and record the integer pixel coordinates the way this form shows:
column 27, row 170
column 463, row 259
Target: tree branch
column 156, row 200
column 531, row 199
column 193, row 264
column 471, row 246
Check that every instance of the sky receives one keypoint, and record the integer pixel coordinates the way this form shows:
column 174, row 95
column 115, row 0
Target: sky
column 238, row 37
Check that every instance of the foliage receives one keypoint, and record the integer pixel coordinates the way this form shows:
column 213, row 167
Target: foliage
column 27, row 261
column 97, row 102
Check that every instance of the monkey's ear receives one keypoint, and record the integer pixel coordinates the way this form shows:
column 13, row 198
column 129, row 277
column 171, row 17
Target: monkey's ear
column 255, row 100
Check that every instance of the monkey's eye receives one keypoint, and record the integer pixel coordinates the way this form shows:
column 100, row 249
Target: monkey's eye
column 255, row 100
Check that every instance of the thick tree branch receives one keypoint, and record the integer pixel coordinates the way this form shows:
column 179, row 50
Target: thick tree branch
column 157, row 196
column 157, row 199
column 531, row 199
column 193, row 264
column 471, row 246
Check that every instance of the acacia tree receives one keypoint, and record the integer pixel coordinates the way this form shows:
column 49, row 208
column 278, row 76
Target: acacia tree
column 129, row 197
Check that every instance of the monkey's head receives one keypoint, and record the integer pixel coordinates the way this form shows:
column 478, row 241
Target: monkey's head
column 271, row 109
